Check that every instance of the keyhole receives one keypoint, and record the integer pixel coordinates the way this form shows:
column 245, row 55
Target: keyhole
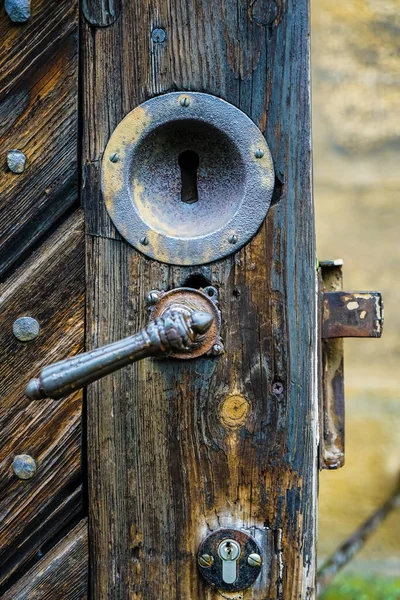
column 228, row 551
column 189, row 163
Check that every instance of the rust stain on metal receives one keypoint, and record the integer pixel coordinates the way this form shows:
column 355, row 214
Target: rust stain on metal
column 333, row 414
column 113, row 180
column 343, row 314
column 347, row 314
column 332, row 385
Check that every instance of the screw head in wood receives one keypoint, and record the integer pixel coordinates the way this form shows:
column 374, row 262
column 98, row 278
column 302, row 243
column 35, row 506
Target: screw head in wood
column 233, row 239
column 259, row 153
column 206, row 561
column 152, row 297
column 277, row 388
column 114, row 157
column 144, row 240
column 26, row 329
column 217, row 349
column 24, row 466
column 254, row 560
column 158, row 35
column 16, row 161
column 185, row 102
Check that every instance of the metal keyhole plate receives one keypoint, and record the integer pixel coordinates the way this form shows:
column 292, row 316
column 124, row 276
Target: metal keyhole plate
column 226, row 560
column 187, row 178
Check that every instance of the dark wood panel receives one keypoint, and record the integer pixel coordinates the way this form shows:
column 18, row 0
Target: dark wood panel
column 101, row 12
column 38, row 115
column 50, row 288
column 61, row 513
column 62, row 573
column 176, row 466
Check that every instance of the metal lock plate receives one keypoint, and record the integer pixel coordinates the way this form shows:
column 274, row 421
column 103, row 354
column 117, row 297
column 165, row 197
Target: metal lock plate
column 187, row 178
column 230, row 560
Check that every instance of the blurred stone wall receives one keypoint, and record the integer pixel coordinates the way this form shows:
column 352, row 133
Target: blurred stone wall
column 356, row 128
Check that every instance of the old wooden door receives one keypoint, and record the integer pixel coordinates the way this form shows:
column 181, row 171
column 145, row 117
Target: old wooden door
column 176, row 449
column 42, row 519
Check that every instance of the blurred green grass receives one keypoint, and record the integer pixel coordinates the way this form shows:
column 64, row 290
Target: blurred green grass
column 353, row 587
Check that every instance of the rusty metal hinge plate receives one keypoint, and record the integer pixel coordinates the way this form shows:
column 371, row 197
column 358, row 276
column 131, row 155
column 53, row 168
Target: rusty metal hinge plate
column 342, row 314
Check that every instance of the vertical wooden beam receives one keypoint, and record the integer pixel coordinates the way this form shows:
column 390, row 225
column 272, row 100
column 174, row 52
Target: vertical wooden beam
column 169, row 459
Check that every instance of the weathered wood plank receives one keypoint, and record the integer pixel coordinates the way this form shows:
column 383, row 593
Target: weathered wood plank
column 38, row 115
column 176, row 468
column 62, row 573
column 58, row 518
column 49, row 287
column 101, row 13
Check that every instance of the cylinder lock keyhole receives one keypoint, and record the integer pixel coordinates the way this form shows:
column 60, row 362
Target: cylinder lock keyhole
column 189, row 164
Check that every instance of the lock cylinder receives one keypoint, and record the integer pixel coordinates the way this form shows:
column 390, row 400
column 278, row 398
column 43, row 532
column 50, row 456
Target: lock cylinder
column 230, row 560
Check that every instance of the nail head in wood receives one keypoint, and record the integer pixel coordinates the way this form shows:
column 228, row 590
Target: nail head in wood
column 16, row 161
column 26, row 329
column 24, row 466
column 158, row 35
column 19, row 11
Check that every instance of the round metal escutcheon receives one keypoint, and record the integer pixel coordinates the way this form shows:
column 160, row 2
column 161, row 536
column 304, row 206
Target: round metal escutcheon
column 190, row 174
column 212, row 570
column 187, row 300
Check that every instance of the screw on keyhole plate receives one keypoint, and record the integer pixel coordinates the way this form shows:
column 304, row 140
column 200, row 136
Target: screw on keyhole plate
column 227, row 560
column 205, row 560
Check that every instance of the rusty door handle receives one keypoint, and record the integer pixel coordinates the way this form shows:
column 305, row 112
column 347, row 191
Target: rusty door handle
column 174, row 331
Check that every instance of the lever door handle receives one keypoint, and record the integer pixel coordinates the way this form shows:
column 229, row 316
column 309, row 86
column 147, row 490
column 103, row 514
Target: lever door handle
column 174, row 331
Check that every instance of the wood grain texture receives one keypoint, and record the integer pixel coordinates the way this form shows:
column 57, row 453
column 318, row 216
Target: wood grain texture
column 49, row 287
column 166, row 464
column 38, row 115
column 101, row 13
column 62, row 573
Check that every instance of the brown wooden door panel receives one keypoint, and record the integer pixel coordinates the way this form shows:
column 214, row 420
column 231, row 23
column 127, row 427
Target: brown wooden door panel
column 38, row 115
column 63, row 573
column 169, row 459
column 42, row 262
column 49, row 286
column 166, row 465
